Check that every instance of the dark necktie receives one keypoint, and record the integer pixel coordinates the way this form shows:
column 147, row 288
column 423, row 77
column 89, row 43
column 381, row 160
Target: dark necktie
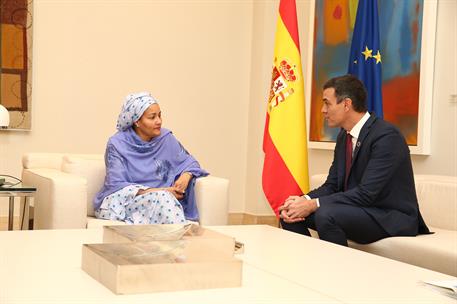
column 348, row 159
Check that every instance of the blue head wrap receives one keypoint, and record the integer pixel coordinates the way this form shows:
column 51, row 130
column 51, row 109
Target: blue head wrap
column 133, row 108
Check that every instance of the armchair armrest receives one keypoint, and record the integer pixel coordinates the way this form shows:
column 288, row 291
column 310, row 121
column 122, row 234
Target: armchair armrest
column 211, row 194
column 42, row 160
column 60, row 200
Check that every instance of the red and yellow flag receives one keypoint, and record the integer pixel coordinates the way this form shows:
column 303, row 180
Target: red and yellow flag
column 285, row 168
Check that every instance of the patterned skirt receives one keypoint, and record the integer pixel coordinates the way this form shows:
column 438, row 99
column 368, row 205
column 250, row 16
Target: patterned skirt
column 159, row 207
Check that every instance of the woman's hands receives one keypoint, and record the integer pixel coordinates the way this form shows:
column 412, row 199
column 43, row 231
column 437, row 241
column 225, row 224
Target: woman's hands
column 178, row 189
column 176, row 192
column 183, row 181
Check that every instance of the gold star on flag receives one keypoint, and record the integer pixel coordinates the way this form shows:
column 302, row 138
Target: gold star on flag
column 377, row 57
column 367, row 53
column 355, row 61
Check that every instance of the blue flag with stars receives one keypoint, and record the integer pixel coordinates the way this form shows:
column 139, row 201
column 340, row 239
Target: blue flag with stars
column 365, row 54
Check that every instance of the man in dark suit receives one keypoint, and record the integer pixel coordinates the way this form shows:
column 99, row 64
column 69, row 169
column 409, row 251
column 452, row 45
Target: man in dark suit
column 369, row 193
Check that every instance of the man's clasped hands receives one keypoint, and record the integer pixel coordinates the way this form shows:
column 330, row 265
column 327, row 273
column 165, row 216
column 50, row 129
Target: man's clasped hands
column 297, row 208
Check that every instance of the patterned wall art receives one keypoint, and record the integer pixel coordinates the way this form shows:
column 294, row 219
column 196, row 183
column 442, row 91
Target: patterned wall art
column 16, row 61
column 407, row 34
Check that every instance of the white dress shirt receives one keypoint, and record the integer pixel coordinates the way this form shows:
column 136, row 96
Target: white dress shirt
column 355, row 133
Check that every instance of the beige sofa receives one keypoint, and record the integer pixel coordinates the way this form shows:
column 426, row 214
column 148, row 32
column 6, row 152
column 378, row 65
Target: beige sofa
column 437, row 196
column 67, row 183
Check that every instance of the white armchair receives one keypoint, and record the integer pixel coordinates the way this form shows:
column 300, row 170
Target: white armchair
column 67, row 183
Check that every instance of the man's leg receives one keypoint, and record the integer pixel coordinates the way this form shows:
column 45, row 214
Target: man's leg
column 300, row 227
column 337, row 223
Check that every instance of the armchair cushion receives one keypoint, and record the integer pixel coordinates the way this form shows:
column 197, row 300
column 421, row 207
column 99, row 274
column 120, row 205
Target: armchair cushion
column 437, row 196
column 42, row 160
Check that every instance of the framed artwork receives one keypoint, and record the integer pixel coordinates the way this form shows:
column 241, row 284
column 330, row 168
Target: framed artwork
column 407, row 34
column 16, row 61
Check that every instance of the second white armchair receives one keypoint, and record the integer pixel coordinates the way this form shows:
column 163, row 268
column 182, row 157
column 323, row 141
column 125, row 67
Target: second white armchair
column 67, row 183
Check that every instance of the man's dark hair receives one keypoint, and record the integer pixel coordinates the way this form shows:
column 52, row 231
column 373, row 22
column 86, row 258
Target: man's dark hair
column 349, row 86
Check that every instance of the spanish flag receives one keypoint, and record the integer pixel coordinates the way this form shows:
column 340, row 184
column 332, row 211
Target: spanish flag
column 285, row 168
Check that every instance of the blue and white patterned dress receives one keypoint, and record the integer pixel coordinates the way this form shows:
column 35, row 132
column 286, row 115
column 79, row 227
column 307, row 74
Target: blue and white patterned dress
column 159, row 207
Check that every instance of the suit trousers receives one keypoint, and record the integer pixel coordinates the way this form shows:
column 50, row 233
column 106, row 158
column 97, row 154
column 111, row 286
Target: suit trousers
column 337, row 223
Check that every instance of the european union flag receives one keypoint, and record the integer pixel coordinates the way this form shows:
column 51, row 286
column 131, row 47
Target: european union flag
column 365, row 55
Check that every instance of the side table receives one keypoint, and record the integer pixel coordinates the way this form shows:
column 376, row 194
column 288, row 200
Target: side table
column 16, row 190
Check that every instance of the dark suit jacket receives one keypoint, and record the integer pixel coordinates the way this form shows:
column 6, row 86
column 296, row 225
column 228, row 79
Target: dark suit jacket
column 380, row 181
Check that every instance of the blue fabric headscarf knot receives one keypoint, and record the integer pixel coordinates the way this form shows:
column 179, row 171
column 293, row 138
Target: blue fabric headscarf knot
column 133, row 108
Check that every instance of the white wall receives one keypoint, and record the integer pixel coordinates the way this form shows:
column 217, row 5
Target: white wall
column 194, row 56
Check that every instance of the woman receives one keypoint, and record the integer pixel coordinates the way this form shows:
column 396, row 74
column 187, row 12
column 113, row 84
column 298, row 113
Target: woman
column 150, row 177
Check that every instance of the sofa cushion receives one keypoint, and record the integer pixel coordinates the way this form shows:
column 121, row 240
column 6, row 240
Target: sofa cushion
column 436, row 251
column 437, row 196
column 90, row 167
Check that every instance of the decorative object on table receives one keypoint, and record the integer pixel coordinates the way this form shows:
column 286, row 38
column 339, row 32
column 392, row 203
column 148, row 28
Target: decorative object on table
column 154, row 252
column 153, row 258
column 16, row 61
column 222, row 244
column 145, row 233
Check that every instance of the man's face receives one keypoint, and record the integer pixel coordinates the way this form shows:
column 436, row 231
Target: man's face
column 334, row 113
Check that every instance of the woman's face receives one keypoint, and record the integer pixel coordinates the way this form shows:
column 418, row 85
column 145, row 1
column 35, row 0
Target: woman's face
column 148, row 126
